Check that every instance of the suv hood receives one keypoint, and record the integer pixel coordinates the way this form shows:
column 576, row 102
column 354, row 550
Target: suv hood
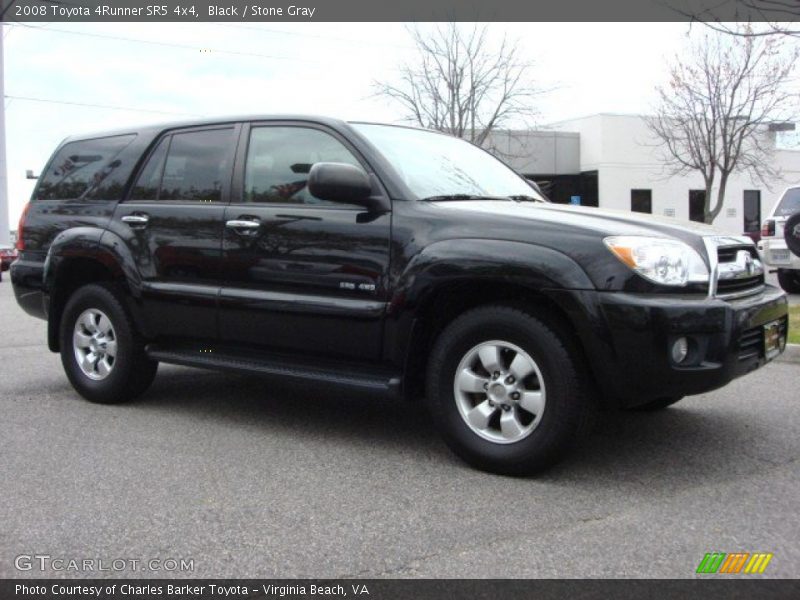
column 587, row 220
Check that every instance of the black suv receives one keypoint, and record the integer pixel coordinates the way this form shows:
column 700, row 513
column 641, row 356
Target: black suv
column 389, row 259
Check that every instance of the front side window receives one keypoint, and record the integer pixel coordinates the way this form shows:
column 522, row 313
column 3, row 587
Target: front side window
column 280, row 158
column 196, row 165
column 433, row 164
column 86, row 169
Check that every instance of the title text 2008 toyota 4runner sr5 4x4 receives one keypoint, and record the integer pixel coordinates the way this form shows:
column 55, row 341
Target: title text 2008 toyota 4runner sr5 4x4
column 390, row 259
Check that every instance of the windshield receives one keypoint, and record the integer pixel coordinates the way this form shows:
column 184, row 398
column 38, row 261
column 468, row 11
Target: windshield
column 789, row 204
column 437, row 165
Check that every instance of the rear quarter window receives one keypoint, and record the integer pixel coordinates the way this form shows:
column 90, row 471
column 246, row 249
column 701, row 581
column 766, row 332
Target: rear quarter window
column 87, row 169
column 789, row 204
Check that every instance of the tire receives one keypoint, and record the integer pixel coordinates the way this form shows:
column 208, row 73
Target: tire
column 555, row 420
column 789, row 280
column 657, row 404
column 116, row 377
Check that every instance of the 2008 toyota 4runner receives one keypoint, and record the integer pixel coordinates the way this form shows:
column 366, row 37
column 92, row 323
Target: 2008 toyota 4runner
column 390, row 259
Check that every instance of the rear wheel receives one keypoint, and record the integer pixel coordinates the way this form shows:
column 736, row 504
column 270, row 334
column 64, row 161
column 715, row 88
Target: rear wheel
column 789, row 280
column 507, row 391
column 102, row 353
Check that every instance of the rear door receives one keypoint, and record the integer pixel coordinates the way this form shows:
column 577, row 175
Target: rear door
column 172, row 224
column 301, row 273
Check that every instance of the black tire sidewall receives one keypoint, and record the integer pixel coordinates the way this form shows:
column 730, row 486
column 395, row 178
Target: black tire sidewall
column 564, row 397
column 790, row 228
column 789, row 280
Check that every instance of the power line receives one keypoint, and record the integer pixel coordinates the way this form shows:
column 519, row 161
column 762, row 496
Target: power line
column 162, row 44
column 311, row 35
column 107, row 106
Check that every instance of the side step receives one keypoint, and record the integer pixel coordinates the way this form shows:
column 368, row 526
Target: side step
column 370, row 378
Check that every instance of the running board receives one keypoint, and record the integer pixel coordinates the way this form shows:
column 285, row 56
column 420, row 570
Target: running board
column 365, row 377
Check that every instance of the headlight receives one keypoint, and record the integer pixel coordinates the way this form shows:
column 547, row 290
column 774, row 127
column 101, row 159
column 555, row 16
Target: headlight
column 661, row 260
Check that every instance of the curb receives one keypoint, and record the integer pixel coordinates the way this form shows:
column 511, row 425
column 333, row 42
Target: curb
column 790, row 355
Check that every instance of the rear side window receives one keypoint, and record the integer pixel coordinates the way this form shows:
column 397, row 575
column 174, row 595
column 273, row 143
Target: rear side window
column 196, row 166
column 87, row 169
column 789, row 204
column 149, row 181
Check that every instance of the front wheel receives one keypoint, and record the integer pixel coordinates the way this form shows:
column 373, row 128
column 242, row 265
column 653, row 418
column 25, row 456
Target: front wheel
column 102, row 353
column 508, row 392
column 789, row 280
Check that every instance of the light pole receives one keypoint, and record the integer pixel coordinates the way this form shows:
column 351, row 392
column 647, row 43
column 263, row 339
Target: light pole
column 5, row 232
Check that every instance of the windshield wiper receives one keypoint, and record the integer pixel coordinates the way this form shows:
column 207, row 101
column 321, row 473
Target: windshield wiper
column 454, row 197
column 446, row 197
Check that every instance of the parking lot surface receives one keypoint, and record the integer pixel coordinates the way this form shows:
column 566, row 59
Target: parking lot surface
column 254, row 478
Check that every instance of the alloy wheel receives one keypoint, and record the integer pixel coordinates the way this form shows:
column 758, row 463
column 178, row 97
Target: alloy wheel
column 500, row 392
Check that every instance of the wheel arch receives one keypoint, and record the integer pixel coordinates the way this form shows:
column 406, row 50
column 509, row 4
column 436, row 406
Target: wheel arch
column 450, row 278
column 79, row 257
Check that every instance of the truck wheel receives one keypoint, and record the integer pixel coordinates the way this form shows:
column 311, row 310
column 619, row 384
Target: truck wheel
column 789, row 280
column 657, row 404
column 507, row 391
column 102, row 353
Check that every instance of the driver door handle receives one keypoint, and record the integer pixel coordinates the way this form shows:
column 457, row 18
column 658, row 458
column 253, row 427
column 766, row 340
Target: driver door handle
column 136, row 220
column 243, row 224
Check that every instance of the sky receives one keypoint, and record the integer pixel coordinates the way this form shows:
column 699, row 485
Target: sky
column 137, row 73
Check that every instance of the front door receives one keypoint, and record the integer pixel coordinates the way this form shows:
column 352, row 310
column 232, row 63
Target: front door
column 172, row 224
column 301, row 273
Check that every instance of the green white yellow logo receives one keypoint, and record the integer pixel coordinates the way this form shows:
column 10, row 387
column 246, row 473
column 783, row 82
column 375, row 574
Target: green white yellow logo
column 734, row 563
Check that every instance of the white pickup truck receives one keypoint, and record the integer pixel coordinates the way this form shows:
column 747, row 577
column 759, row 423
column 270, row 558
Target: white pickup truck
column 772, row 246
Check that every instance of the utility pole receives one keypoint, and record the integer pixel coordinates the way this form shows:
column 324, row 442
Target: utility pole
column 5, row 231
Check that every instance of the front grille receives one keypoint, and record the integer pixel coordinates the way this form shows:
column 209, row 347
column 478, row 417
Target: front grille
column 739, row 275
column 751, row 343
column 740, row 286
column 727, row 254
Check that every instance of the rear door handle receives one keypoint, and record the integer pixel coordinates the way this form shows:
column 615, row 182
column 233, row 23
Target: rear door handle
column 136, row 220
column 243, row 224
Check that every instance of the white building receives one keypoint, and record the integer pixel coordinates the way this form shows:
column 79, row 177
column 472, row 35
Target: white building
column 613, row 161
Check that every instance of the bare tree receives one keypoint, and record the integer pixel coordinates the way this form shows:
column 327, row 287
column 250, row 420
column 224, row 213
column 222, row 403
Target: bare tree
column 773, row 17
column 461, row 84
column 714, row 114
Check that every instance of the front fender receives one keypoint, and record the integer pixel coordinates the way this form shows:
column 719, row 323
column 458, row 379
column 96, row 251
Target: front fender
column 468, row 260
column 520, row 263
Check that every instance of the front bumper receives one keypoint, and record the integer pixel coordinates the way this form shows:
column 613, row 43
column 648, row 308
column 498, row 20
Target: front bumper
column 632, row 334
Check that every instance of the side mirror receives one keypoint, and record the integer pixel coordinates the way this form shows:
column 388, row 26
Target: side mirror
column 339, row 182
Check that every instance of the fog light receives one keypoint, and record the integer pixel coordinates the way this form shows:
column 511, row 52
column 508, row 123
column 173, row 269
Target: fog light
column 680, row 348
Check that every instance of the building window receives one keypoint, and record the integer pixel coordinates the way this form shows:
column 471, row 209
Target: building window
column 642, row 201
column 752, row 211
column 697, row 205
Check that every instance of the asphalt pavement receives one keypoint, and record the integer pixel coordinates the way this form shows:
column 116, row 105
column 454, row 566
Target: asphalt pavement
column 250, row 478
